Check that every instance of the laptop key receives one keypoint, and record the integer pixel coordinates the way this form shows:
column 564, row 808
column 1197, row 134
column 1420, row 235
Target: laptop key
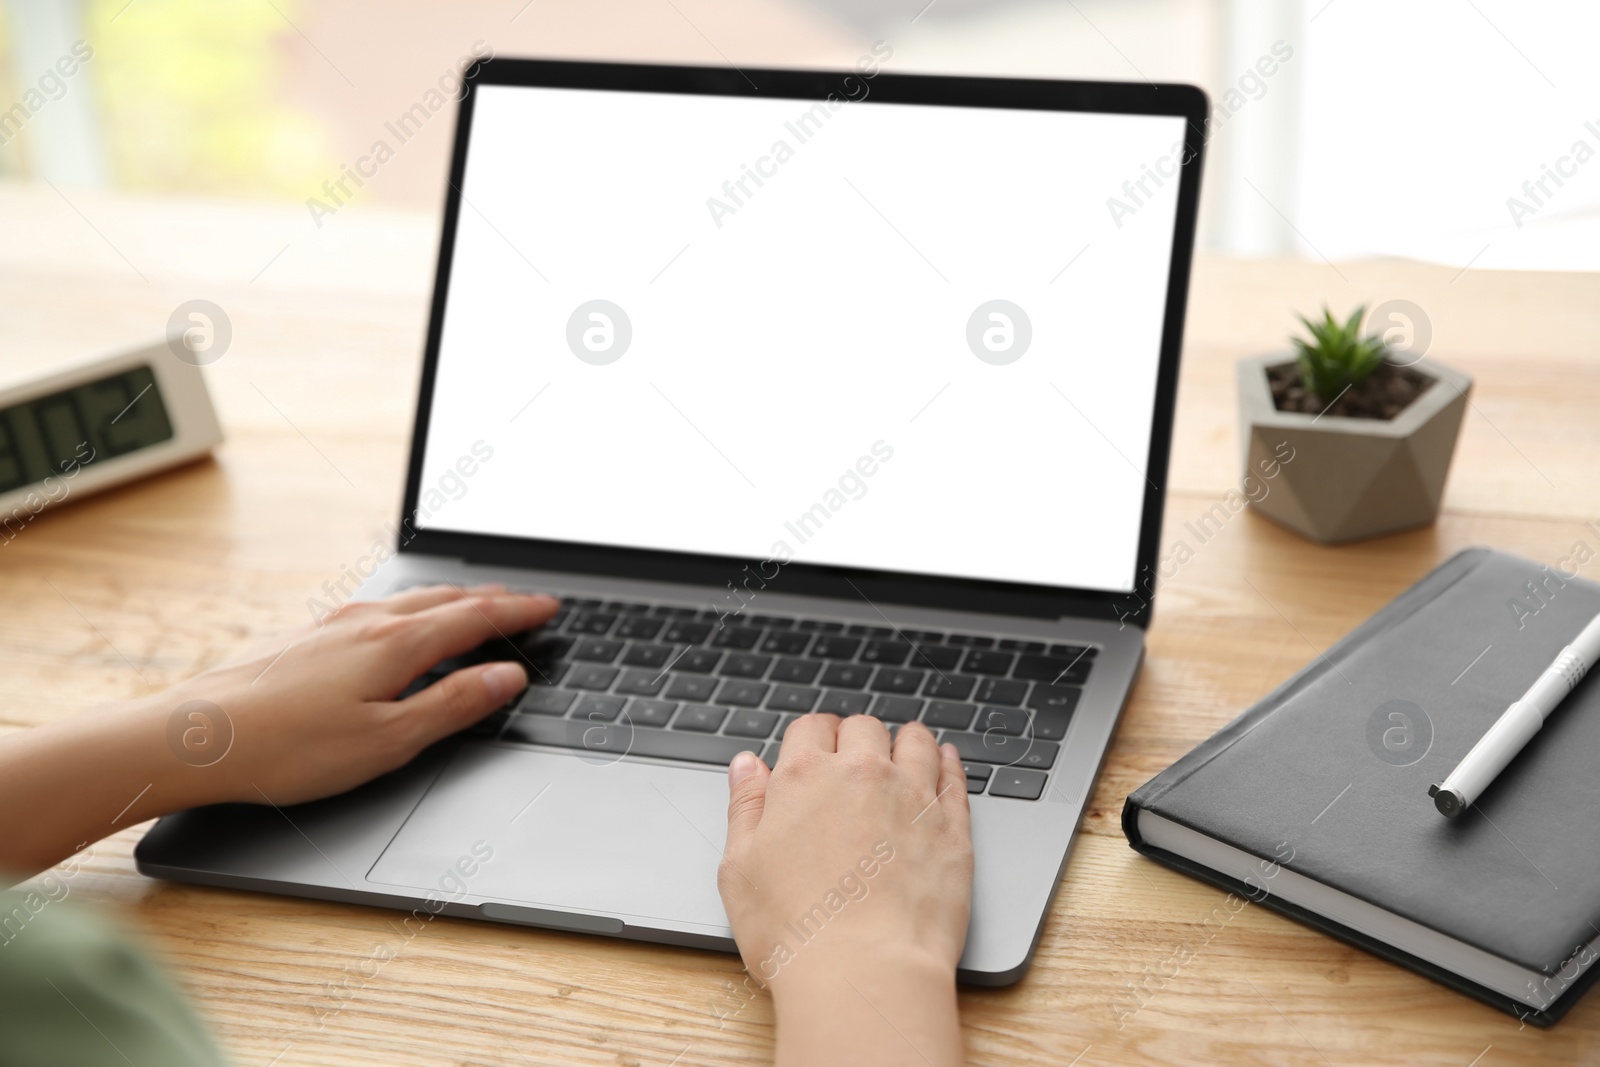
column 819, row 627
column 641, row 683
column 690, row 687
column 949, row 714
column 801, row 671
column 1074, row 651
column 1058, row 699
column 1051, row 725
column 1013, row 721
column 538, row 645
column 1018, row 783
column 593, row 623
column 922, row 637
column 858, row 630
column 886, row 653
column 546, row 673
column 936, row 657
column 591, row 676
column 596, row 650
column 640, row 741
column 701, row 718
column 771, row 622
column 836, row 702
column 797, row 698
column 786, row 642
column 995, row 663
column 650, row 712
column 1052, row 670
column 686, row 633
column 619, row 608
column 896, row 709
column 668, row 611
column 1011, row 644
column 895, row 680
column 978, row 770
column 1004, row 749
column 697, row 661
column 949, row 686
column 745, row 665
column 743, row 694
column 592, row 708
column 747, row 722
column 640, row 626
column 836, row 648
column 1001, row 691
column 541, row 701
column 740, row 637
column 969, row 641
column 647, row 655
column 846, row 675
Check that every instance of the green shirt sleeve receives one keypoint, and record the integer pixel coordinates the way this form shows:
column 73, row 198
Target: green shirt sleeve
column 74, row 991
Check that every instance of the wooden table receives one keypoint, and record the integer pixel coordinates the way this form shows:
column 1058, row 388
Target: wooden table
column 131, row 591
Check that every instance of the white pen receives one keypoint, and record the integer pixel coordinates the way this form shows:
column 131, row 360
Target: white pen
column 1521, row 721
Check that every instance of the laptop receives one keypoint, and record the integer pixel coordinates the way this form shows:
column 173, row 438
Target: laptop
column 805, row 391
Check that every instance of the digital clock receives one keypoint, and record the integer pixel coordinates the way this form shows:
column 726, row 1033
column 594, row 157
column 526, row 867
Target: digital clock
column 95, row 425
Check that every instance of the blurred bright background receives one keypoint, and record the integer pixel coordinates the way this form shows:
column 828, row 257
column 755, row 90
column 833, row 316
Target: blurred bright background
column 1384, row 129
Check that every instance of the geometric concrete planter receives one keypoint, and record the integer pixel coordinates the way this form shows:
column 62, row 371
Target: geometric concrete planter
column 1351, row 478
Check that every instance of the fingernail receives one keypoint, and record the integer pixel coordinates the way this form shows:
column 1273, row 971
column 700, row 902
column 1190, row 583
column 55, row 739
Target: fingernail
column 487, row 587
column 742, row 767
column 950, row 750
column 504, row 680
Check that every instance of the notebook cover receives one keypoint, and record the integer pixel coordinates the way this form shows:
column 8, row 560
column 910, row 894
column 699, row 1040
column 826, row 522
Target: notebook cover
column 1518, row 875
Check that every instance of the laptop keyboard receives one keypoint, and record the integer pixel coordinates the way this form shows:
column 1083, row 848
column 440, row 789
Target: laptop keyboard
column 666, row 681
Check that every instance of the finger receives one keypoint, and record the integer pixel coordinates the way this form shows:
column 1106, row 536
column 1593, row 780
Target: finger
column 458, row 700
column 863, row 733
column 455, row 627
column 747, row 797
column 916, row 751
column 819, row 733
column 429, row 596
column 953, row 790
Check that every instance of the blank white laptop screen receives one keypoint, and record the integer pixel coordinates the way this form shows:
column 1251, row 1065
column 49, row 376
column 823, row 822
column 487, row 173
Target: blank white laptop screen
column 900, row 337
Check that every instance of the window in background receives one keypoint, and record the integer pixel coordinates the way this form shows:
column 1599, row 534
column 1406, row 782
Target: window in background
column 1436, row 129
column 176, row 96
column 1458, row 132
column 1441, row 130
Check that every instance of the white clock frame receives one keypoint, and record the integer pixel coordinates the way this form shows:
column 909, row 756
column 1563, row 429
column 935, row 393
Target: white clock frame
column 195, row 429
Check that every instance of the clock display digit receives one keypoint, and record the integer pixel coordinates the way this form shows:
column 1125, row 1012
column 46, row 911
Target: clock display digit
column 11, row 473
column 61, row 427
column 57, row 434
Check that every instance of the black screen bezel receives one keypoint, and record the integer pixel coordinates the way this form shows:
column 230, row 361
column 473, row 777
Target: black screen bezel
column 962, row 594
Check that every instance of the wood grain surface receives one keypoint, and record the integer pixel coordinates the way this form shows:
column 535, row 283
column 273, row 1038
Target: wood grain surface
column 133, row 590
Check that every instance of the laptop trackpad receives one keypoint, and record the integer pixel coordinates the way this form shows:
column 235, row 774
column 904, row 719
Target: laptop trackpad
column 566, row 832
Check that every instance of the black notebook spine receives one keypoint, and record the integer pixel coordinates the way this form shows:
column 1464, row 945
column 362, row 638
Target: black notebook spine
column 1537, row 1017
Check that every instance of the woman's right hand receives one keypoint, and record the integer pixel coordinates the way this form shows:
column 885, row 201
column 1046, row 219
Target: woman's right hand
column 848, row 882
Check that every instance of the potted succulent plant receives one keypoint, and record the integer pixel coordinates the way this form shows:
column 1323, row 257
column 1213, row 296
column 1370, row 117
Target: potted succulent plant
column 1361, row 435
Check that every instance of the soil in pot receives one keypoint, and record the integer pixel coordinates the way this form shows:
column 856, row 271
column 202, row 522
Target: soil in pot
column 1384, row 394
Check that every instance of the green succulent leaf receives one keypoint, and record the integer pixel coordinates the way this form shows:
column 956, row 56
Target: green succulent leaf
column 1335, row 357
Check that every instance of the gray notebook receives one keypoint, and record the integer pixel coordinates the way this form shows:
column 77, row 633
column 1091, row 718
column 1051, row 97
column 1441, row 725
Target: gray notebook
column 1315, row 801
